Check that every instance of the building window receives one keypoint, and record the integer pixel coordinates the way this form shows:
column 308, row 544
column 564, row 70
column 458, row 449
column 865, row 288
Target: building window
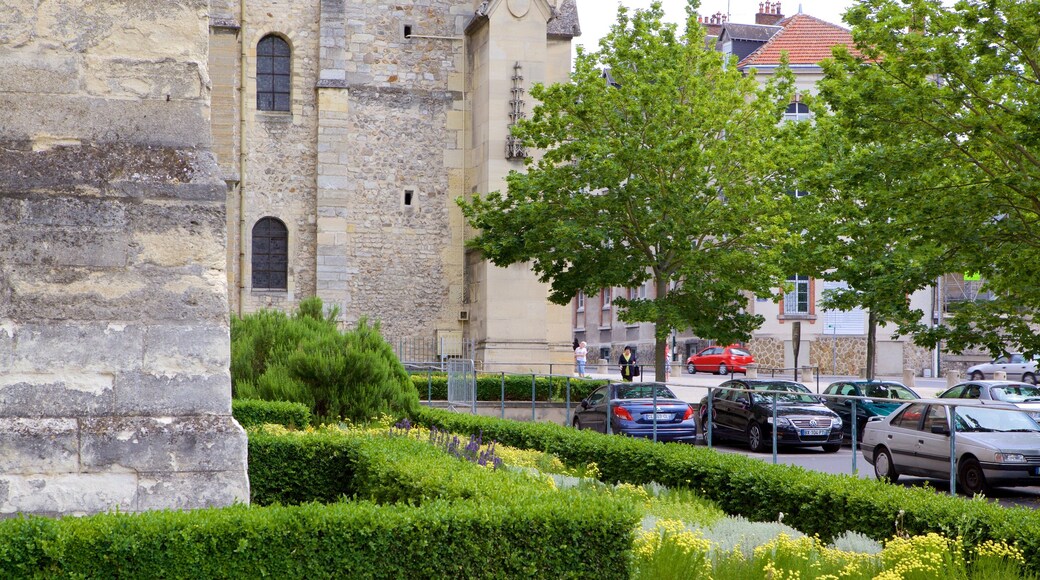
column 270, row 255
column 797, row 112
column 606, row 298
column 581, row 301
column 637, row 293
column 272, row 74
column 797, row 300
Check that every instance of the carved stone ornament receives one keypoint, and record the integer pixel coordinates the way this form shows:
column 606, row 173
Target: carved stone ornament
column 519, row 8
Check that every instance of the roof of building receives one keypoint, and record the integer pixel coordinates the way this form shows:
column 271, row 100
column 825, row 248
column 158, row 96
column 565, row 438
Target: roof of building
column 806, row 40
column 755, row 32
column 566, row 24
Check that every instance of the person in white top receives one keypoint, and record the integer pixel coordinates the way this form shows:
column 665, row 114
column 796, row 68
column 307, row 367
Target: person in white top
column 580, row 355
column 667, row 361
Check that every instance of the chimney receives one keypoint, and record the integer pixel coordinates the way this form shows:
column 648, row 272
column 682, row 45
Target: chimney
column 769, row 13
column 712, row 24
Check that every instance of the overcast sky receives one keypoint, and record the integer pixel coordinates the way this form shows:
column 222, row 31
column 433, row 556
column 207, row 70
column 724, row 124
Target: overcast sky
column 596, row 16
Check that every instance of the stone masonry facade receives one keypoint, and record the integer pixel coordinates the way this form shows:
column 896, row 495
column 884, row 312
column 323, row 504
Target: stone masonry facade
column 114, row 351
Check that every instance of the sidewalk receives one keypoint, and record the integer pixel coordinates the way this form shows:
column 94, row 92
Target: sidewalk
column 692, row 388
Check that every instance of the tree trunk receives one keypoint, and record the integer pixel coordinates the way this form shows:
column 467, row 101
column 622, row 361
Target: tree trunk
column 871, row 343
column 661, row 331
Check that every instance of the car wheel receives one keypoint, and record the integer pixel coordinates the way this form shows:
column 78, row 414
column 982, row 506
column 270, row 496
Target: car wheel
column 977, row 376
column 1029, row 378
column 755, row 439
column 972, row 480
column 691, row 369
column 832, row 447
column 883, row 466
column 722, row 369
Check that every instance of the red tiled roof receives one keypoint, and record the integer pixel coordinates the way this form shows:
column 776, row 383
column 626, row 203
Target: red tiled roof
column 806, row 40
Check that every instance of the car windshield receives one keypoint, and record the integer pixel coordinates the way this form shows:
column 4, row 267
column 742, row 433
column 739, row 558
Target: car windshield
column 988, row 419
column 791, row 393
column 888, row 391
column 645, row 391
column 1016, row 393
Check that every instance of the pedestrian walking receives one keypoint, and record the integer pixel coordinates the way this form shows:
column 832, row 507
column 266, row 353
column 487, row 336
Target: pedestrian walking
column 629, row 368
column 580, row 357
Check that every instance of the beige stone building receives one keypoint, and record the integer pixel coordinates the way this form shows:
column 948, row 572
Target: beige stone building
column 346, row 130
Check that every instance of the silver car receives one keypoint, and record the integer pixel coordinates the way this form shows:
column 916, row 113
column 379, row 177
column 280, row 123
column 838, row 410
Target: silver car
column 1022, row 395
column 996, row 445
column 1016, row 365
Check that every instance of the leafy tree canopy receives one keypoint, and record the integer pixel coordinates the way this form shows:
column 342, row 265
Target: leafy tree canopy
column 955, row 93
column 669, row 174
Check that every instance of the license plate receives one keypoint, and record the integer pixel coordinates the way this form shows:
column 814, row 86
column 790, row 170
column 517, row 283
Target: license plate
column 658, row 417
column 813, row 432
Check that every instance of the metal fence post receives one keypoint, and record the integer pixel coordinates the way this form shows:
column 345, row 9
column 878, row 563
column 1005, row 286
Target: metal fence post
column 464, row 371
column 711, row 395
column 503, row 394
column 774, row 425
column 429, row 385
column 568, row 401
column 855, row 433
column 534, row 415
column 953, row 449
column 655, row 413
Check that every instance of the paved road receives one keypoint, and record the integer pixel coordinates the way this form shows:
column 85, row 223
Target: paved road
column 692, row 388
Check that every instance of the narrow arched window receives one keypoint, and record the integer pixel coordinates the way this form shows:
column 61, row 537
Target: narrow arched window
column 270, row 255
column 273, row 58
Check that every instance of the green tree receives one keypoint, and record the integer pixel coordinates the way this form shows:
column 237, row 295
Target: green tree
column 668, row 174
column 866, row 224
column 963, row 84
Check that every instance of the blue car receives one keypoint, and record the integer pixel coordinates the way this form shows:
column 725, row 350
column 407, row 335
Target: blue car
column 885, row 397
column 631, row 410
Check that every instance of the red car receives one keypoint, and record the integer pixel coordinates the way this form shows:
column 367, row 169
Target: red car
column 720, row 359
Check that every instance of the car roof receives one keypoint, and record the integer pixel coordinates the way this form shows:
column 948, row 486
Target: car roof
column 993, row 383
column 964, row 403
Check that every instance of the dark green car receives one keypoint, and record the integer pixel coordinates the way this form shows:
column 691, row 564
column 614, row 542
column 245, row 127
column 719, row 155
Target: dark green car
column 882, row 397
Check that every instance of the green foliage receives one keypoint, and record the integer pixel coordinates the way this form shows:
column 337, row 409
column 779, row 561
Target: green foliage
column 815, row 503
column 948, row 107
column 249, row 412
column 517, row 387
column 670, row 175
column 569, row 538
column 294, row 468
column 306, row 359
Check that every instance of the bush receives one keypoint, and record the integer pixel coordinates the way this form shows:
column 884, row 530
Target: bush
column 815, row 503
column 306, row 359
column 250, row 412
column 517, row 387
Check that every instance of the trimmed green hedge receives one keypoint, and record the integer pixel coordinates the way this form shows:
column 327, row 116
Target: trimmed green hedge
column 813, row 502
column 420, row 513
column 567, row 538
column 518, row 387
column 250, row 412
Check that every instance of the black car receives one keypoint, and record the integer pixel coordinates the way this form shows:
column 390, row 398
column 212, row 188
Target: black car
column 631, row 409
column 885, row 397
column 747, row 415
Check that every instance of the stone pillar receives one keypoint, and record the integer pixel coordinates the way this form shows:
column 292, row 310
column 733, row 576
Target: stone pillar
column 908, row 377
column 114, row 350
column 752, row 371
column 999, row 376
column 952, row 378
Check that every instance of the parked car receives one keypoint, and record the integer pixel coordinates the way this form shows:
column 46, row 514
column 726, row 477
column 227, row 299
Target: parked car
column 1021, row 395
column 720, row 359
column 747, row 415
column 884, row 397
column 996, row 445
column 631, row 411
column 1016, row 365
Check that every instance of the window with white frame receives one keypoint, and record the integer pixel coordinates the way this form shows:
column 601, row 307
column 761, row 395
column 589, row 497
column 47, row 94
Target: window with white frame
column 606, row 298
column 797, row 300
column 637, row 293
column 797, row 112
column 581, row 301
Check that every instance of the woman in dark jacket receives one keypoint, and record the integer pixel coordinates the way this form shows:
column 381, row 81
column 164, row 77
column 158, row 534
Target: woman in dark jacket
column 627, row 360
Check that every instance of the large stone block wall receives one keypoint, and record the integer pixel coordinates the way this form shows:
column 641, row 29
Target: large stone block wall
column 114, row 385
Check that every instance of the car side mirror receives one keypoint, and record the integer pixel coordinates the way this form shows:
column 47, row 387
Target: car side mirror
column 742, row 401
column 940, row 429
column 584, row 403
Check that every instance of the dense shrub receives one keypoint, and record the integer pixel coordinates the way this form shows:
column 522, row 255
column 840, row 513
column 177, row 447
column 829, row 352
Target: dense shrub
column 301, row 467
column 305, row 358
column 517, row 387
column 249, row 412
column 816, row 503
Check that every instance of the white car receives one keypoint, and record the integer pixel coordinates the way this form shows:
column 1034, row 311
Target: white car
column 996, row 445
column 1016, row 365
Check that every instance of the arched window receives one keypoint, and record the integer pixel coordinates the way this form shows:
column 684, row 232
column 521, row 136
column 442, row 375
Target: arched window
column 272, row 74
column 270, row 254
column 797, row 112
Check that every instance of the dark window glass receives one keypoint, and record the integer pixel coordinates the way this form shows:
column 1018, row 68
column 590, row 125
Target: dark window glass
column 270, row 255
column 272, row 74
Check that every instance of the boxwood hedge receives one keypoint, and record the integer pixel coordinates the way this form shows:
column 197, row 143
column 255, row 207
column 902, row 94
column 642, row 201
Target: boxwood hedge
column 249, row 412
column 816, row 503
